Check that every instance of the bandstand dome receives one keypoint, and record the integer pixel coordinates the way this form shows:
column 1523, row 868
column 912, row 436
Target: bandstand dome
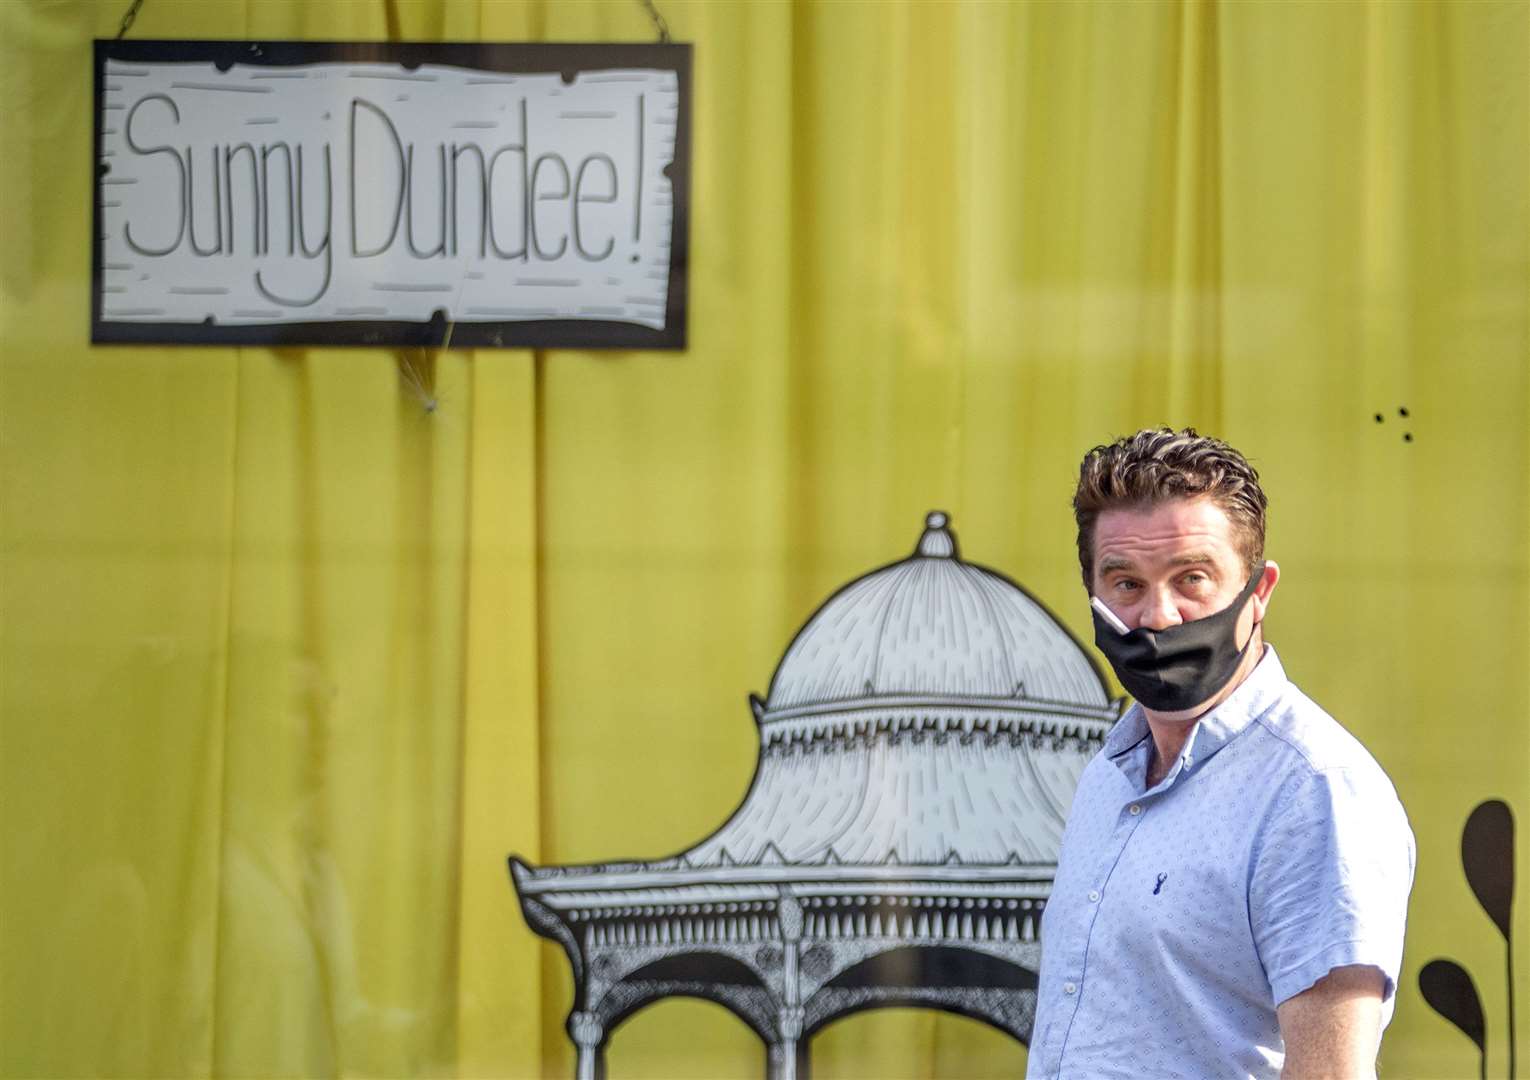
column 933, row 625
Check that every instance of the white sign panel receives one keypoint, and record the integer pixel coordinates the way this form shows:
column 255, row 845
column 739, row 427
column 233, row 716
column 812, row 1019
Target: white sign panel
column 370, row 194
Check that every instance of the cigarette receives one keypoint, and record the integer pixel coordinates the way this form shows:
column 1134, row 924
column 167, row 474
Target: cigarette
column 1109, row 616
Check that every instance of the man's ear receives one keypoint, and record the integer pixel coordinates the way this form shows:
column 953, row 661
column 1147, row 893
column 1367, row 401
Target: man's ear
column 1265, row 587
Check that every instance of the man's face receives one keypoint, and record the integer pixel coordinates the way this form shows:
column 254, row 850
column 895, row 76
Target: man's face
column 1172, row 563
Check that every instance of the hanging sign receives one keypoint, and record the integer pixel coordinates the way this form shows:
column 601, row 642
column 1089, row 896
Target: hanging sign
column 323, row 193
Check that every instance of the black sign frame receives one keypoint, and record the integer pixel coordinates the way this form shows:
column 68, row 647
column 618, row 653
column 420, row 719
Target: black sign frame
column 518, row 57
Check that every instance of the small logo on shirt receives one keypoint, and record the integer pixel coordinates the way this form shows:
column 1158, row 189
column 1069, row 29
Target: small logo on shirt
column 1161, row 879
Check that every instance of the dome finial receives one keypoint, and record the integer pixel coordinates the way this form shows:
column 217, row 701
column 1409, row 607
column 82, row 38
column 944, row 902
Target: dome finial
column 938, row 541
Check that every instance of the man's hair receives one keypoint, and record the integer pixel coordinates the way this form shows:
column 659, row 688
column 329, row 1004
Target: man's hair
column 1159, row 464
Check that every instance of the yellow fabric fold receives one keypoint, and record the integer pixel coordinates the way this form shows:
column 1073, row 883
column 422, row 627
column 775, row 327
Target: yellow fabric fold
column 298, row 646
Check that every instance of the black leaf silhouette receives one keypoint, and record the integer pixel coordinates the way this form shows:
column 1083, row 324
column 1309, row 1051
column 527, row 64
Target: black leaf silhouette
column 1487, row 854
column 1449, row 990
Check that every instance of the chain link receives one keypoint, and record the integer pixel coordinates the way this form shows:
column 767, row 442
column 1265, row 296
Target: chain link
column 127, row 20
column 653, row 13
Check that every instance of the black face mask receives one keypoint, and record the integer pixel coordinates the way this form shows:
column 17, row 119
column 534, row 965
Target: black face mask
column 1177, row 668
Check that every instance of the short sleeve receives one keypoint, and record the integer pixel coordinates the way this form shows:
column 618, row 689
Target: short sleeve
column 1330, row 879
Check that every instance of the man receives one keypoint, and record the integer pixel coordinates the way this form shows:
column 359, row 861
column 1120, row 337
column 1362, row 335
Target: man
column 1234, row 875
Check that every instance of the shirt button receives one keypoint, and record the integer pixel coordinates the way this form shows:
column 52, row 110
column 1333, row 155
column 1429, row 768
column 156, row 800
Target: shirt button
column 1135, row 809
column 1070, row 988
column 1094, row 896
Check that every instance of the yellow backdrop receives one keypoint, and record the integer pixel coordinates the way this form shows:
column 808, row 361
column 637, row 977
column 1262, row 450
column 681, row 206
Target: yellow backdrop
column 288, row 664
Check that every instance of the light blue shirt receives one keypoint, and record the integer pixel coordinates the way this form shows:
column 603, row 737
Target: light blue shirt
column 1274, row 851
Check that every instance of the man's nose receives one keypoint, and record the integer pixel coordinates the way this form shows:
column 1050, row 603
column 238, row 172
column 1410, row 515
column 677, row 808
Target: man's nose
column 1160, row 611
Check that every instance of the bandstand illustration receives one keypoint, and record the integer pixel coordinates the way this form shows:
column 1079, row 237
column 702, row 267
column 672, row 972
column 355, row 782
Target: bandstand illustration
column 919, row 746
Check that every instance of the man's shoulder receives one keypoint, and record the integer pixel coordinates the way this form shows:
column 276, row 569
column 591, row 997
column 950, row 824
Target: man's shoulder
column 1314, row 740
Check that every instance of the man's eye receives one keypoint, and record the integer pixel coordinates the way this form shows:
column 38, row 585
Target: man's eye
column 1126, row 586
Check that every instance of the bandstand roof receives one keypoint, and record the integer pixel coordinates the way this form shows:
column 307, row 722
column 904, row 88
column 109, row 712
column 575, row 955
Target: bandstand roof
column 928, row 724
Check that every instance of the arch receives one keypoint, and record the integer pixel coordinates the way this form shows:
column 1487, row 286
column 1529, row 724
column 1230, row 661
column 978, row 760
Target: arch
column 968, row 983
column 637, row 1005
column 722, row 980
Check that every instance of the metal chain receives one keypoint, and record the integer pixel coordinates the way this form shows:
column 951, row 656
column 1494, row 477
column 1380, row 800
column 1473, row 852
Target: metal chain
column 653, row 13
column 127, row 20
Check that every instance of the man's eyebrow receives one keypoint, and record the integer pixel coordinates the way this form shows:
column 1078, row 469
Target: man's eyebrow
column 1111, row 563
column 1193, row 558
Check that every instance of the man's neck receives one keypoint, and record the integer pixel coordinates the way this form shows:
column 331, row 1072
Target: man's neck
column 1171, row 730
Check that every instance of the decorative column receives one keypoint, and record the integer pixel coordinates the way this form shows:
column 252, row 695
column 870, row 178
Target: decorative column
column 587, row 1032
column 783, row 1053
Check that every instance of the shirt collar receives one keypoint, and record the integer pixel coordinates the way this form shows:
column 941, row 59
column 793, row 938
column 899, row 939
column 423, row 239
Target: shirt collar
column 1218, row 727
